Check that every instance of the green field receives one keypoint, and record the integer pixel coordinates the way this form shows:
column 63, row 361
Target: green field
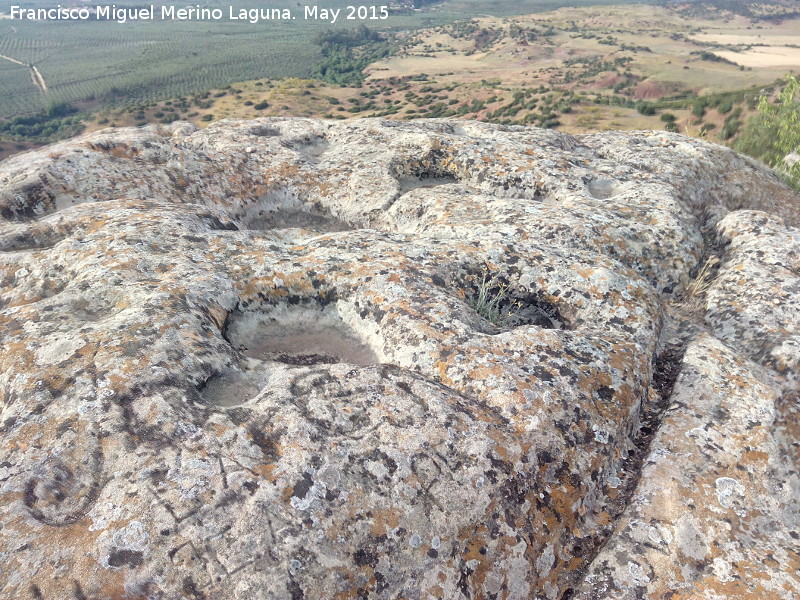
column 112, row 63
column 94, row 63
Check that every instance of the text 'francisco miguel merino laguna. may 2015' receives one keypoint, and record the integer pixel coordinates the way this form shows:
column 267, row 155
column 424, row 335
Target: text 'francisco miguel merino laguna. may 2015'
column 112, row 12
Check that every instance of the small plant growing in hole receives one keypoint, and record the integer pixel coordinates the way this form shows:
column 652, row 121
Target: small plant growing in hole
column 493, row 299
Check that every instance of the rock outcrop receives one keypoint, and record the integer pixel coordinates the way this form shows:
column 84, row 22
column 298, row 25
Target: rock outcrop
column 249, row 362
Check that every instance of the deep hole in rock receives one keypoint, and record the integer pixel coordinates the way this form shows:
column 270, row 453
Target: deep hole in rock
column 219, row 224
column 281, row 209
column 424, row 180
column 271, row 339
column 264, row 131
column 316, row 149
column 234, row 387
column 311, row 145
column 17, row 240
column 302, row 334
column 603, row 188
column 30, row 201
column 506, row 306
column 286, row 219
column 427, row 171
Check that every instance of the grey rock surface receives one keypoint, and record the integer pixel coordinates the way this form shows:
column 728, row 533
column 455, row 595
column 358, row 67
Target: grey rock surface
column 246, row 362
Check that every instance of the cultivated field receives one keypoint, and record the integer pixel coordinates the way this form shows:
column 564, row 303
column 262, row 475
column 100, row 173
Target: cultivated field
column 108, row 63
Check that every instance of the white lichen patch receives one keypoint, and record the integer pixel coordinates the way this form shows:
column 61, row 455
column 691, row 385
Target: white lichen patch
column 59, row 349
column 730, row 492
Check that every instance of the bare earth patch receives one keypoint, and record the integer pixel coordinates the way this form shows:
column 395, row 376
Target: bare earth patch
column 769, row 56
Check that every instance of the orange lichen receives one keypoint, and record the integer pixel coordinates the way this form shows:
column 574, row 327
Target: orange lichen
column 384, row 521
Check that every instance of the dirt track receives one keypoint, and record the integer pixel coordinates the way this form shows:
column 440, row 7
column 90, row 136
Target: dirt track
column 36, row 76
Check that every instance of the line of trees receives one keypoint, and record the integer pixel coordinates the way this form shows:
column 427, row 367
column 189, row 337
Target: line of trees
column 57, row 122
column 347, row 52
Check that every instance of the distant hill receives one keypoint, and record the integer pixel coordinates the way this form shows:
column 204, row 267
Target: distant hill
column 776, row 9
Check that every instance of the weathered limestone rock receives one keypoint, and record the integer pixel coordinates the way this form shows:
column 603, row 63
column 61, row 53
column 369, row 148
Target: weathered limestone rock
column 245, row 363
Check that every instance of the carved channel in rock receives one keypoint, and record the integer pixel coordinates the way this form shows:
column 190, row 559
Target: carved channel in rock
column 666, row 370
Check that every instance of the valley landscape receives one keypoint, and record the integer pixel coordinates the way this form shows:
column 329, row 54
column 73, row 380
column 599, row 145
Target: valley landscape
column 696, row 68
